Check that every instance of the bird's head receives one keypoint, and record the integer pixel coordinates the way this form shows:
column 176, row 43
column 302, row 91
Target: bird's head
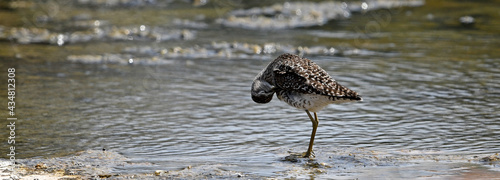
column 262, row 91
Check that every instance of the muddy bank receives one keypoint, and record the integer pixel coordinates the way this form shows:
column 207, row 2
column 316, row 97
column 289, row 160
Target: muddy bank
column 332, row 163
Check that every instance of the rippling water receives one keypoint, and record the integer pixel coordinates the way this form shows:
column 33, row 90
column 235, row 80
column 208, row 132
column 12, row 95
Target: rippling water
column 426, row 85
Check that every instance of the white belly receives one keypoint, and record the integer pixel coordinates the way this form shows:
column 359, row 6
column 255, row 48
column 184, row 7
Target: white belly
column 310, row 102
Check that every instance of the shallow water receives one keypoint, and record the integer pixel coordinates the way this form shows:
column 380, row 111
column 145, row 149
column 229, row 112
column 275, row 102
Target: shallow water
column 429, row 84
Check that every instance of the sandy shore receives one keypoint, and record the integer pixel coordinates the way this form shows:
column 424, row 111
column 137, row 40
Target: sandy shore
column 343, row 164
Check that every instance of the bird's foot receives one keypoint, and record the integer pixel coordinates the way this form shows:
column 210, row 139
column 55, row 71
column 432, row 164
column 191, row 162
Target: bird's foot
column 309, row 154
column 298, row 157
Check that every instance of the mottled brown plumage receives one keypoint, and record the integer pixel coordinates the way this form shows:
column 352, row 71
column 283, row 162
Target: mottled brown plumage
column 300, row 83
column 292, row 77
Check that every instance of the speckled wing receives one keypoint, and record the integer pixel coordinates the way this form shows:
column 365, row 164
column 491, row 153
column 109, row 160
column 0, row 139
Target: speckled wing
column 302, row 75
column 287, row 79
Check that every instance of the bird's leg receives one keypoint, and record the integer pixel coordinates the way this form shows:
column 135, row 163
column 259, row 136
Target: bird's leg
column 315, row 123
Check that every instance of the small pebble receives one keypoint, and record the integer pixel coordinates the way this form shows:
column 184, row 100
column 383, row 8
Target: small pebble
column 40, row 166
column 467, row 21
column 160, row 172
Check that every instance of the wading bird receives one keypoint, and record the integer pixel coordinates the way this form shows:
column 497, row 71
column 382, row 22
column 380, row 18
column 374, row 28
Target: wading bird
column 300, row 83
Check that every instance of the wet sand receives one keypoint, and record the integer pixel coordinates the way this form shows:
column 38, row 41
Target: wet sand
column 329, row 164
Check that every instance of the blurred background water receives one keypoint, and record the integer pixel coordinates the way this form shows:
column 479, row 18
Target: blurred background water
column 166, row 83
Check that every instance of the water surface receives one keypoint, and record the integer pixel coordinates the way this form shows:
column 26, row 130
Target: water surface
column 430, row 86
